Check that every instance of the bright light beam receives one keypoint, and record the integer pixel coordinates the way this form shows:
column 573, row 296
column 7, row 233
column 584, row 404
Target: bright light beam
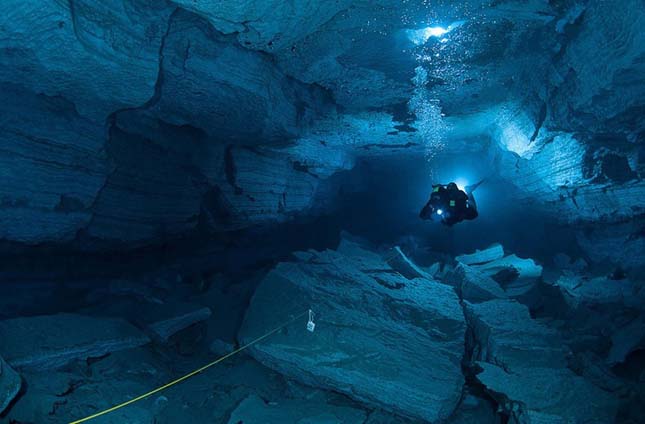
column 421, row 36
column 434, row 32
column 461, row 184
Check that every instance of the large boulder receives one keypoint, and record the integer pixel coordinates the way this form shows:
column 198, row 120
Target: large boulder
column 604, row 315
column 626, row 340
column 579, row 290
column 473, row 285
column 404, row 266
column 516, row 275
column 10, row 384
column 51, row 341
column 615, row 243
column 491, row 253
column 163, row 322
column 480, row 275
column 380, row 338
column 523, row 365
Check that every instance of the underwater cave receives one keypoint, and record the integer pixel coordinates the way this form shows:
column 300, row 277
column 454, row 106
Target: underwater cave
column 322, row 211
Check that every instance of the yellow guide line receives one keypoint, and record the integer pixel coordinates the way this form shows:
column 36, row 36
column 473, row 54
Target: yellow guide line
column 190, row 374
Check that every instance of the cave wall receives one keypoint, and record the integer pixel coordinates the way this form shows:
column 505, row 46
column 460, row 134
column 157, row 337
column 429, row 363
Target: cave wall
column 134, row 122
column 137, row 132
column 575, row 149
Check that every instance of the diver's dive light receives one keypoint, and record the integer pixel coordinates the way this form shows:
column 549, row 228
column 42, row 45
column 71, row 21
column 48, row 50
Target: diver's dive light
column 439, row 211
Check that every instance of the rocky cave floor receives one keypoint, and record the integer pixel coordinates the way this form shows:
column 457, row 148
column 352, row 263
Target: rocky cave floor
column 485, row 337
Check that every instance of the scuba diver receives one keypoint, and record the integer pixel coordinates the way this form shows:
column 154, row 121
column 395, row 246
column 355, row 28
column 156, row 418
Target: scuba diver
column 451, row 205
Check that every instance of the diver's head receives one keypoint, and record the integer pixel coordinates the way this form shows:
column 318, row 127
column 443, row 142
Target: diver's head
column 452, row 186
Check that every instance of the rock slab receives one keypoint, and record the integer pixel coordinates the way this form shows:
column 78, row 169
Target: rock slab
column 164, row 323
column 473, row 285
column 380, row 338
column 581, row 291
column 494, row 252
column 516, row 275
column 626, row 340
column 50, row 341
column 10, row 384
column 404, row 266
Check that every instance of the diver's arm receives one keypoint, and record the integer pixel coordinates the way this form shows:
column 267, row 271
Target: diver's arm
column 471, row 201
column 471, row 207
column 471, row 188
column 426, row 212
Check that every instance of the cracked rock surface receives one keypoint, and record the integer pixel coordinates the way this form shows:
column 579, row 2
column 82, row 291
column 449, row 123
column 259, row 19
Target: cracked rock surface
column 413, row 328
column 524, row 363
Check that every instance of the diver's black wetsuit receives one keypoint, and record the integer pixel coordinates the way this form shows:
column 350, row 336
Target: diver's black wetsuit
column 450, row 205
